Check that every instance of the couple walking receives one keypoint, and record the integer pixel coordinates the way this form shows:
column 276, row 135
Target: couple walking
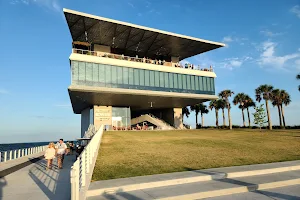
column 58, row 150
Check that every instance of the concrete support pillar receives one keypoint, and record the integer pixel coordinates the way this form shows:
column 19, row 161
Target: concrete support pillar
column 178, row 118
column 85, row 120
column 174, row 60
column 102, row 115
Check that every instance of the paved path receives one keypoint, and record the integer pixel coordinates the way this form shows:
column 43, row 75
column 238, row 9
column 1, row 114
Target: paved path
column 263, row 182
column 34, row 182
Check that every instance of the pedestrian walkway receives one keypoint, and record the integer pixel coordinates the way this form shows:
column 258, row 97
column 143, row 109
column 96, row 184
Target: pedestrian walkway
column 264, row 181
column 34, row 182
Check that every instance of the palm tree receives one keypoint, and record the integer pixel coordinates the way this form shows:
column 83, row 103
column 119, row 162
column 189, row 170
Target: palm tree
column 196, row 108
column 286, row 100
column 214, row 104
column 223, row 105
column 277, row 101
column 249, row 103
column 225, row 94
column 298, row 77
column 240, row 98
column 265, row 92
column 203, row 110
column 186, row 112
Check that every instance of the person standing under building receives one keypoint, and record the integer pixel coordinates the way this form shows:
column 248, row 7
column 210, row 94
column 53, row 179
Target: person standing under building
column 61, row 150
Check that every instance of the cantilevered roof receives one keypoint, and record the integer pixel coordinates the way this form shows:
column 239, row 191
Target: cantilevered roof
column 130, row 38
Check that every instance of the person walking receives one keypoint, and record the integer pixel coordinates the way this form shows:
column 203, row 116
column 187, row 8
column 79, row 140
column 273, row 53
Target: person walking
column 50, row 154
column 61, row 150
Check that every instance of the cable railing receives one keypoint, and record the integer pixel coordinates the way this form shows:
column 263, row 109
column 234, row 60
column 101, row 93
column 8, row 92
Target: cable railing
column 142, row 60
column 82, row 169
column 19, row 153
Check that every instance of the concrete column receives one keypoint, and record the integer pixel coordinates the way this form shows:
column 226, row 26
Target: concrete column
column 85, row 120
column 178, row 118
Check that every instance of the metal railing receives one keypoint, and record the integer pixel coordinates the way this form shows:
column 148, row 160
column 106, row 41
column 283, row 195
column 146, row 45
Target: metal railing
column 143, row 60
column 19, row 153
column 82, row 169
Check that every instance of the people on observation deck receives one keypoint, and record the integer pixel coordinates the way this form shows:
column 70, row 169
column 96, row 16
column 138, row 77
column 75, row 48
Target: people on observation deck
column 154, row 61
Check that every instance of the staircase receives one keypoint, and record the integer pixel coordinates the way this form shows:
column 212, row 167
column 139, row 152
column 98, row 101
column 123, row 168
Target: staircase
column 264, row 181
column 162, row 125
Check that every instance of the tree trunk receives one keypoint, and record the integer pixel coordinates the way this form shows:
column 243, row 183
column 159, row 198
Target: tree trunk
column 268, row 113
column 249, row 121
column 282, row 112
column 279, row 113
column 244, row 123
column 229, row 118
column 217, row 120
column 196, row 120
column 224, row 121
column 202, row 120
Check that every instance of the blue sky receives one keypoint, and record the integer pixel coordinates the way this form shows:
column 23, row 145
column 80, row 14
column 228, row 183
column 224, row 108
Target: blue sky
column 263, row 47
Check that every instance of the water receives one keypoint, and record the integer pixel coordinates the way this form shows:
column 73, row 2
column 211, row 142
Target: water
column 14, row 146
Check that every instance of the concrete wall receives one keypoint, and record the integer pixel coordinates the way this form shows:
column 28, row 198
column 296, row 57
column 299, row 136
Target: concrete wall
column 102, row 48
column 102, row 115
column 85, row 120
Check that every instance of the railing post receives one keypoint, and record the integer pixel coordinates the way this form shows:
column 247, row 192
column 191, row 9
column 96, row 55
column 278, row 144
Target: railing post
column 83, row 168
column 19, row 153
column 26, row 152
column 10, row 155
column 88, row 160
column 0, row 156
column 77, row 181
column 5, row 156
column 23, row 152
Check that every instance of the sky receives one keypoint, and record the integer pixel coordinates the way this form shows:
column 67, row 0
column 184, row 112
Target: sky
column 262, row 38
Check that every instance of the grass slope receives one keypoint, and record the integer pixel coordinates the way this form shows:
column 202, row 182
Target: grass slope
column 135, row 153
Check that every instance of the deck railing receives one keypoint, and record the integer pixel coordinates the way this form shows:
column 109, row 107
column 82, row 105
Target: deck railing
column 82, row 169
column 19, row 153
column 142, row 60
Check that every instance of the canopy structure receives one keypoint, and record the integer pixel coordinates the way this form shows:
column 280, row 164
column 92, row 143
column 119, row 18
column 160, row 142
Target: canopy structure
column 130, row 38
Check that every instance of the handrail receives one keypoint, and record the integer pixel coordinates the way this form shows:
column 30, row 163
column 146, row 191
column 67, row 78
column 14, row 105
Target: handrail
column 82, row 169
column 143, row 60
column 19, row 153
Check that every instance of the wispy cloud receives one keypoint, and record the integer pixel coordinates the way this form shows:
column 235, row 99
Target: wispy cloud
column 66, row 105
column 231, row 39
column 42, row 117
column 268, row 57
column 227, row 39
column 269, row 33
column 3, row 91
column 228, row 63
column 52, row 5
column 232, row 63
column 130, row 4
column 296, row 10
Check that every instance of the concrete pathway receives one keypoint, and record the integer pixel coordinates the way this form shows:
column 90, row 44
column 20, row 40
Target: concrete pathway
column 265, row 181
column 34, row 182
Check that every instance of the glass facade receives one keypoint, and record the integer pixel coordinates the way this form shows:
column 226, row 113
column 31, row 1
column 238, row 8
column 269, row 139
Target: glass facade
column 121, row 117
column 92, row 74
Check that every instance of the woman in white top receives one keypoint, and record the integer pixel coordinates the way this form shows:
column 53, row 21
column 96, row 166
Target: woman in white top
column 50, row 154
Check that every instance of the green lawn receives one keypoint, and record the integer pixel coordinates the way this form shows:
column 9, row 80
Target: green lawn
column 135, row 153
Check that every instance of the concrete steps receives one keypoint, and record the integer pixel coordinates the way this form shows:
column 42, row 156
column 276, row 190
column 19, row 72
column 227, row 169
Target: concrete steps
column 201, row 184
